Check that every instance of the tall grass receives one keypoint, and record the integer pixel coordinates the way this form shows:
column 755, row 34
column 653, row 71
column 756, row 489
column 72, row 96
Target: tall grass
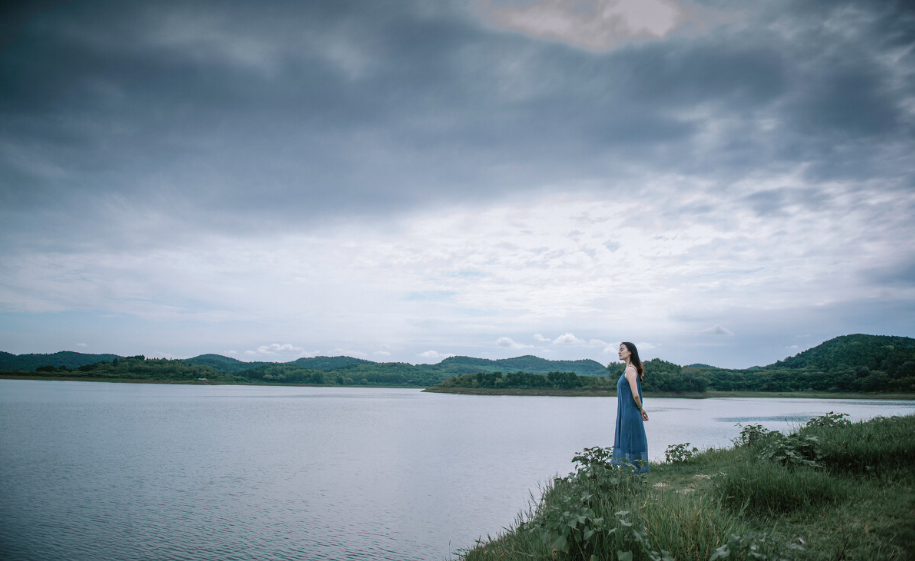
column 747, row 502
column 763, row 488
column 881, row 447
column 602, row 512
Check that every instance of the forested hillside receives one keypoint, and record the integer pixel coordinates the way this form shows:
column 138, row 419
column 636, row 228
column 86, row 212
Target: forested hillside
column 66, row 359
column 528, row 363
column 851, row 363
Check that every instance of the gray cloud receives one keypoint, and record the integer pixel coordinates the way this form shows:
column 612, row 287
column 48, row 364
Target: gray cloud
column 294, row 111
column 132, row 128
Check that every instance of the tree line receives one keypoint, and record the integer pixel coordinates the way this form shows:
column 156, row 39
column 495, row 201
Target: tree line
column 851, row 363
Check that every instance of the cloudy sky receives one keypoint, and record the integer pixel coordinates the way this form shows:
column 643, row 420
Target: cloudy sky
column 719, row 182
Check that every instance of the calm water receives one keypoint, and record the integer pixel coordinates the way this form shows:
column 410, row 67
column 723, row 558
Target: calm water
column 140, row 471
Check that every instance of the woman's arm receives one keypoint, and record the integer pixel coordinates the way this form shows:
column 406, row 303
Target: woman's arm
column 631, row 375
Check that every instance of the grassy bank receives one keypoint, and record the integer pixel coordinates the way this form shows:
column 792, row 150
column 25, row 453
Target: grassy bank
column 584, row 392
column 831, row 490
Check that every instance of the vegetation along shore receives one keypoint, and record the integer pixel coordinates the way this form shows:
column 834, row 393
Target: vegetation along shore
column 847, row 366
column 830, row 490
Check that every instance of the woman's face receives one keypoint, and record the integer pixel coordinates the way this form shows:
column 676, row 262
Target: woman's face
column 624, row 352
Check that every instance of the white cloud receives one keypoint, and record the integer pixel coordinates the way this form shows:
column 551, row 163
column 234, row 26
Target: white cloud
column 592, row 24
column 540, row 338
column 568, row 339
column 339, row 351
column 382, row 353
column 434, row 355
column 716, row 330
column 81, row 345
column 511, row 344
column 275, row 348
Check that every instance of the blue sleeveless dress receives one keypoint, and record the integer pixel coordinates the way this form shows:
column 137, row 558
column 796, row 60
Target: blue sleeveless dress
column 630, row 443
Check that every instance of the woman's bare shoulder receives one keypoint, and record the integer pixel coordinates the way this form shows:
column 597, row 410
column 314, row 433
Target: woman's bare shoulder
column 631, row 371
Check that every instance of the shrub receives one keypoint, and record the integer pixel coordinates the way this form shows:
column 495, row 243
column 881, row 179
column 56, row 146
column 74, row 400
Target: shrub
column 791, row 450
column 679, row 453
column 752, row 435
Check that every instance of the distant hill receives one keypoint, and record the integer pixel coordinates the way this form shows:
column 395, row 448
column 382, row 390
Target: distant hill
column 224, row 364
column 328, row 363
column 534, row 365
column 448, row 367
column 850, row 363
column 874, row 352
column 67, row 359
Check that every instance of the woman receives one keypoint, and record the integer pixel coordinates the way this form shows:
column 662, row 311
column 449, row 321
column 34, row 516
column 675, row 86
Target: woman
column 630, row 445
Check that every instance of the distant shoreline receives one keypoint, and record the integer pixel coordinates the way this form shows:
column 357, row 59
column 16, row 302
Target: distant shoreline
column 542, row 392
column 683, row 395
column 188, row 382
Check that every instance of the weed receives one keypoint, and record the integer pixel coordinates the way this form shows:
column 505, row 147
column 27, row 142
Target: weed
column 751, row 436
column 679, row 453
column 792, row 450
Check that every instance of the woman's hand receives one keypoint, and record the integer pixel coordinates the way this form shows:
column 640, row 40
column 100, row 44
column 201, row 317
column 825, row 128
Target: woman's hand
column 644, row 415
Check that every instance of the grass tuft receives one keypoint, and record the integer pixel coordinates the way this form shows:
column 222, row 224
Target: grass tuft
column 766, row 488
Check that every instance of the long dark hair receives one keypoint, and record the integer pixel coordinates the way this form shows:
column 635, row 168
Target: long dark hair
column 634, row 359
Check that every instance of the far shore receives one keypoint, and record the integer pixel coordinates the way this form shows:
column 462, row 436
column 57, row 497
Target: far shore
column 185, row 382
column 543, row 392
column 679, row 395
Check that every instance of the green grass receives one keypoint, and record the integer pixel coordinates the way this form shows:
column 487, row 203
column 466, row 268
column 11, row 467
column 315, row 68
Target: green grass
column 831, row 490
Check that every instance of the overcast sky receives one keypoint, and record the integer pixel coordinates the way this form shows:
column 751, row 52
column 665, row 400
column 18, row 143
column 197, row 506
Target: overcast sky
column 719, row 182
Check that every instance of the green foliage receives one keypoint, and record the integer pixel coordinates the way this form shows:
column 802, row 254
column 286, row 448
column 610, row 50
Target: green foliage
column 590, row 512
column 602, row 512
column 751, row 546
column 615, row 369
column 65, row 359
column 224, row 364
column 852, row 363
column 881, row 447
column 458, row 365
column 786, row 474
column 829, row 420
column 753, row 509
column 140, row 368
column 764, row 488
column 527, row 380
column 679, row 453
column 331, row 363
column 752, row 435
column 872, row 352
column 663, row 376
column 792, row 450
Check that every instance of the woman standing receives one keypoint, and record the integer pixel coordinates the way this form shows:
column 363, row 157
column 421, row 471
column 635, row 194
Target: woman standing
column 630, row 445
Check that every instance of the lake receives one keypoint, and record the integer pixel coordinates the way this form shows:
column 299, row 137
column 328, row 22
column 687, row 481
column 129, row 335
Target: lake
column 92, row 471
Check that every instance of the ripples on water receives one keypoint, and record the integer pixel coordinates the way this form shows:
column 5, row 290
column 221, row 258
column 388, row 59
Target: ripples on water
column 136, row 471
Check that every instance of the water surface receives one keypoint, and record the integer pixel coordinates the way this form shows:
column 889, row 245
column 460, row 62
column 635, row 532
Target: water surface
column 146, row 471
